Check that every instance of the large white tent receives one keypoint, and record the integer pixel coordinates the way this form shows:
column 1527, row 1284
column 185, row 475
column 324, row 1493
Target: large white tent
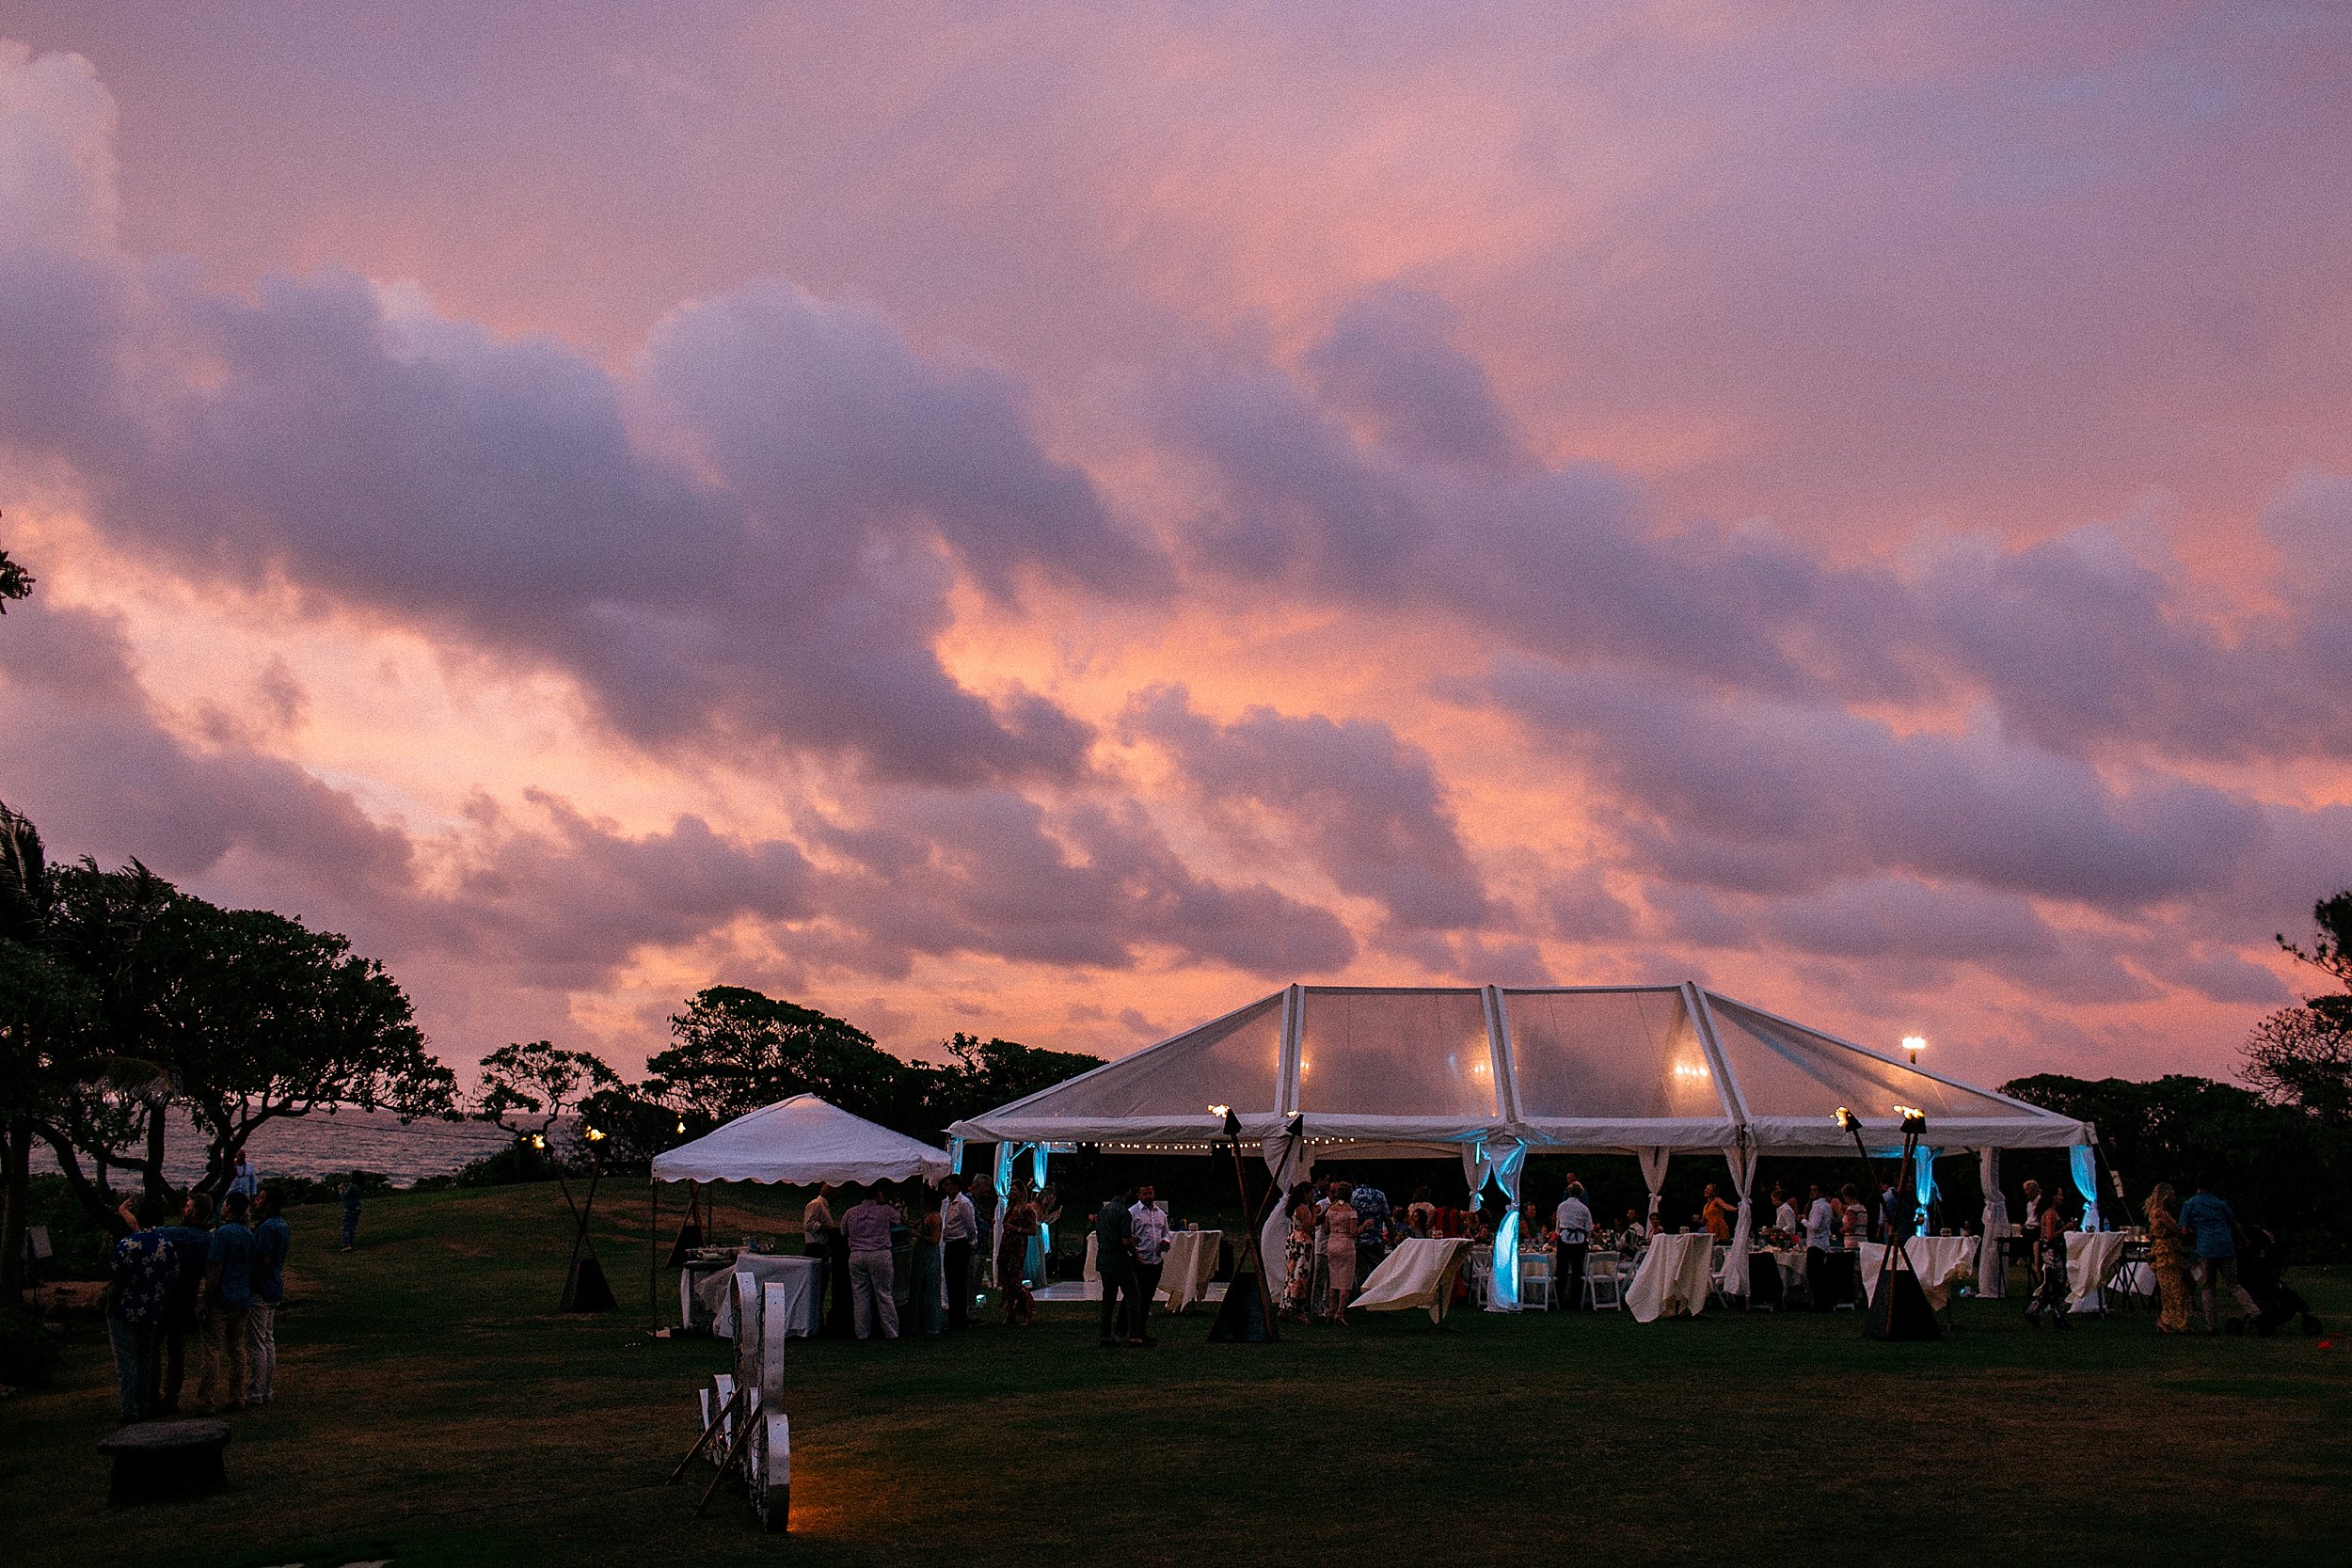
column 1492, row 1074
column 800, row 1142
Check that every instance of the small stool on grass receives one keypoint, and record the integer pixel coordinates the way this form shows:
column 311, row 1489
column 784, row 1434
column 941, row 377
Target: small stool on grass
column 166, row 1459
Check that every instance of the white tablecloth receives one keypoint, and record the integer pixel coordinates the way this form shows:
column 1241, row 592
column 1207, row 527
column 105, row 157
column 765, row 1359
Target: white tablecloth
column 1188, row 1265
column 1675, row 1277
column 800, row 1275
column 1942, row 1263
column 1413, row 1275
column 2091, row 1257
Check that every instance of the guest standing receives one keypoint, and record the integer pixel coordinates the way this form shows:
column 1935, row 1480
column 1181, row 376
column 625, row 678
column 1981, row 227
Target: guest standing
column 138, row 1301
column 924, row 1283
column 865, row 1237
column 1821, row 1242
column 1857, row 1218
column 350, row 1195
column 2168, row 1259
column 1784, row 1212
column 985, row 1203
column 271, row 1240
column 1340, row 1229
column 227, row 1297
column 191, row 1247
column 1572, row 1226
column 959, row 1230
column 1114, row 1261
column 1150, row 1222
column 1371, row 1216
column 1012, row 1257
column 1716, row 1214
column 2213, row 1225
column 2050, row 1293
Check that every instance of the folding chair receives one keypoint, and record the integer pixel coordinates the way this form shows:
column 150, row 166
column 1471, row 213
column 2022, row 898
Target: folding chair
column 1602, row 1280
column 1536, row 1281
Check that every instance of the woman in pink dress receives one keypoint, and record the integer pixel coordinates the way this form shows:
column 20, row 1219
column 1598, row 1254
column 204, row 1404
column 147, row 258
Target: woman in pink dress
column 1340, row 1225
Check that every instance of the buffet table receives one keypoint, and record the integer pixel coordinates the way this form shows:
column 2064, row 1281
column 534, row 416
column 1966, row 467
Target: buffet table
column 1188, row 1266
column 1420, row 1272
column 1943, row 1263
column 1675, row 1273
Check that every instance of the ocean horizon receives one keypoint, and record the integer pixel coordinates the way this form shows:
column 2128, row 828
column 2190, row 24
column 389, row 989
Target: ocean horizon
column 333, row 1143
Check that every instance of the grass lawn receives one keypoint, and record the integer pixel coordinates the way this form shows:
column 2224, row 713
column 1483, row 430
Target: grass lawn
column 433, row 1408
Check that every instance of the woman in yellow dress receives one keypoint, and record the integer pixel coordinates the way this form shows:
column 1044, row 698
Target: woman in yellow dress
column 2166, row 1257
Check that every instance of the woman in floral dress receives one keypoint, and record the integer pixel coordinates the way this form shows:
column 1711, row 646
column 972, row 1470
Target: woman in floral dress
column 2168, row 1259
column 1298, row 1253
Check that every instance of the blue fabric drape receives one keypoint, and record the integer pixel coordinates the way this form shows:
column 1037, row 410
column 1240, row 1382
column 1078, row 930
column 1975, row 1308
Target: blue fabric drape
column 2085, row 1173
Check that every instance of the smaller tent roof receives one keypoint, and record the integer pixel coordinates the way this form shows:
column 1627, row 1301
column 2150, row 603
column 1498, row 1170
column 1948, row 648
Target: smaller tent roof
column 800, row 1141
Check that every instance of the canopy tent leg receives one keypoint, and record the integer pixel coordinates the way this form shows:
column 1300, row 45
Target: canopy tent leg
column 653, row 1257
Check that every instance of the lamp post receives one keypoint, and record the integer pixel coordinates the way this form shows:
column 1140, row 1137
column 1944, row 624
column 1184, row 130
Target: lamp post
column 1913, row 1045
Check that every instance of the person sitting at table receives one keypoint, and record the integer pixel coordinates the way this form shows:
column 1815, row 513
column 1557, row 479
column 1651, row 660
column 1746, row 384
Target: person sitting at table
column 1716, row 1214
column 1572, row 1238
column 1420, row 1215
column 1633, row 1234
column 1340, row 1227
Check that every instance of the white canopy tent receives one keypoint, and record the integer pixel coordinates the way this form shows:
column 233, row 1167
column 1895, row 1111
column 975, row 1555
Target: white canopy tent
column 1492, row 1074
column 800, row 1142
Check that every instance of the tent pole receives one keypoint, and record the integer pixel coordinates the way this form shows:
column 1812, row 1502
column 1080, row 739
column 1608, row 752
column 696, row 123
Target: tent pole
column 653, row 1256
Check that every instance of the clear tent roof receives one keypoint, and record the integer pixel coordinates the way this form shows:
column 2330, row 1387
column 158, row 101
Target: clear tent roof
column 1592, row 1067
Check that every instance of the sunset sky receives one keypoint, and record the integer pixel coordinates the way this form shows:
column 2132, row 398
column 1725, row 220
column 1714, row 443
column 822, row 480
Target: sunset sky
column 1054, row 521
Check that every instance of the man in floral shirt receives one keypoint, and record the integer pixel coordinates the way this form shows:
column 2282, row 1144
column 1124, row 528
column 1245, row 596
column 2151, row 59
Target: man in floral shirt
column 1371, row 1243
column 139, row 1289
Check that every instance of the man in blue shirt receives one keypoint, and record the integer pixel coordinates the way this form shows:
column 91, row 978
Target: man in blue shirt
column 138, row 1297
column 191, row 1247
column 227, row 1297
column 272, row 1238
column 2213, row 1226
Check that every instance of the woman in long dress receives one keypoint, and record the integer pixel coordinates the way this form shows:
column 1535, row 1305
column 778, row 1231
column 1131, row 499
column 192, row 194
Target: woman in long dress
column 1012, row 1257
column 1340, row 1225
column 2168, row 1259
column 1299, row 1254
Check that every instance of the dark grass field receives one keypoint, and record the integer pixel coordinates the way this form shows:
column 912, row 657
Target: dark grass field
column 433, row 1408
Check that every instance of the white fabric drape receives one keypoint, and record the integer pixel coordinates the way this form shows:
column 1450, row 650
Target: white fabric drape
column 1743, row 1161
column 1993, row 1257
column 1654, row 1177
column 1274, row 1249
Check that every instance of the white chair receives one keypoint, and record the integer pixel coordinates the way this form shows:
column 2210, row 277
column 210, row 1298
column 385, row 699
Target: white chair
column 1536, row 1281
column 1480, row 1273
column 1602, row 1280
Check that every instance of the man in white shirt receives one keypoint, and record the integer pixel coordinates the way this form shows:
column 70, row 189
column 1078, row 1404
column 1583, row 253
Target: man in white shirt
column 1151, row 1251
column 1821, row 1242
column 958, row 1229
column 1573, row 1223
column 1784, row 1212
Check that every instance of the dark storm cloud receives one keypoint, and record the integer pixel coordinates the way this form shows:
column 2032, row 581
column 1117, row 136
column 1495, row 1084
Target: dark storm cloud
column 383, row 459
column 1365, row 806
